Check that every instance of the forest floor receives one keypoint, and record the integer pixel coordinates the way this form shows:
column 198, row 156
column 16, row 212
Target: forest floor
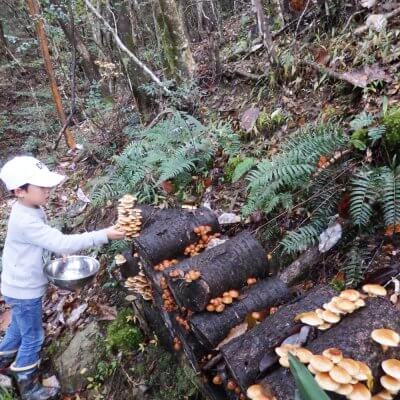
column 309, row 97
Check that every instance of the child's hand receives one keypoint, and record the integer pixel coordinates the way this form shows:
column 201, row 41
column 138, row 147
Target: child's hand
column 114, row 234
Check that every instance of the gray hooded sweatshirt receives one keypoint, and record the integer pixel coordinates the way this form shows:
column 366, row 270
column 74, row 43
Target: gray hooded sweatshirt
column 28, row 237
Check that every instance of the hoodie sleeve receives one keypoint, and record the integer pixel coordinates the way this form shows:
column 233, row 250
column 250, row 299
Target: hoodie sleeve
column 37, row 232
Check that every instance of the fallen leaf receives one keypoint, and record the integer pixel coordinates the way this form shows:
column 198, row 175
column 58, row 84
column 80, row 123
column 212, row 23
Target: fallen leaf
column 107, row 313
column 366, row 75
column 76, row 314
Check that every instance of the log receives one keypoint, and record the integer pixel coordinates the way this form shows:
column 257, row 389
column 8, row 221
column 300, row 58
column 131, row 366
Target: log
column 243, row 355
column 172, row 233
column 352, row 337
column 222, row 268
column 211, row 328
column 131, row 266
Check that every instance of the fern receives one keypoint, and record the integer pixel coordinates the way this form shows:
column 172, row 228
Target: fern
column 174, row 149
column 390, row 198
column 243, row 168
column 291, row 168
column 361, row 121
column 302, row 238
column 363, row 196
column 354, row 268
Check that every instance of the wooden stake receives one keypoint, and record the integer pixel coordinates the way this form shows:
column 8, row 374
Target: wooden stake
column 34, row 10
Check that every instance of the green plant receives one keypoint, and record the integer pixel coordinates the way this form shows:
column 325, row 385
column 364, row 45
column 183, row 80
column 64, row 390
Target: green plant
column 308, row 388
column 104, row 370
column 366, row 131
column 123, row 334
column 391, row 120
column 6, row 394
column 175, row 150
column 355, row 265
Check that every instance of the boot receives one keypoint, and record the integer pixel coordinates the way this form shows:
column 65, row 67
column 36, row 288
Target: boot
column 30, row 388
column 6, row 360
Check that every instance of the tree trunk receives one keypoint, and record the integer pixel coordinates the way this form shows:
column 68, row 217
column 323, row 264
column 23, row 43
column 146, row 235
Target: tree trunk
column 352, row 337
column 178, row 56
column 136, row 75
column 243, row 355
column 34, row 10
column 88, row 63
column 4, row 52
column 211, row 328
column 231, row 264
column 264, row 28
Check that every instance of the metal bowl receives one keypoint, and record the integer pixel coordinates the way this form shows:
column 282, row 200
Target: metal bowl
column 73, row 272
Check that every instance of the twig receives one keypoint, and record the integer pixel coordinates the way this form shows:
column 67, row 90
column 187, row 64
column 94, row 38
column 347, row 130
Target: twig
column 73, row 77
column 389, row 15
column 160, row 116
column 119, row 42
column 299, row 21
column 350, row 19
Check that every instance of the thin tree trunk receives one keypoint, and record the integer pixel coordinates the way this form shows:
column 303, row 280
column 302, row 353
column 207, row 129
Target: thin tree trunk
column 122, row 46
column 34, row 10
column 175, row 43
column 4, row 51
column 264, row 28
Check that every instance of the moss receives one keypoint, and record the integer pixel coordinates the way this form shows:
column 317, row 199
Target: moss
column 231, row 166
column 391, row 120
column 359, row 139
column 167, row 379
column 122, row 334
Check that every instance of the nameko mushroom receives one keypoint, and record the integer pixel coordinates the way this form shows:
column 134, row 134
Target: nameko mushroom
column 386, row 338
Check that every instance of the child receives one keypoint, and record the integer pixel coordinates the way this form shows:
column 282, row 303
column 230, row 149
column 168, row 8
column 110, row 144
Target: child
column 23, row 282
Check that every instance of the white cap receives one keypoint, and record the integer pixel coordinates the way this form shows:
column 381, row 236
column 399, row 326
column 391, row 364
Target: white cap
column 24, row 169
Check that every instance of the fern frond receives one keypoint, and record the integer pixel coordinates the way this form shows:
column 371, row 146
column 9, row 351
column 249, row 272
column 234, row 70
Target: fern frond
column 302, row 238
column 361, row 121
column 243, row 168
column 390, row 198
column 355, row 266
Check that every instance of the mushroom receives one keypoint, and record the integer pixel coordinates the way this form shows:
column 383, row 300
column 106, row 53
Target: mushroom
column 303, row 355
column 310, row 318
column 359, row 303
column 392, row 368
column 386, row 338
column 364, row 373
column 227, row 300
column 254, row 392
column 326, row 382
column 312, row 370
column 321, row 363
column 374, row 290
column 217, row 380
column 359, row 392
column 344, row 305
column 231, row 385
column 335, row 355
column 391, row 384
column 220, row 308
column 340, row 375
column 350, row 366
column 210, row 308
column 120, row 259
column 350, row 294
column 324, row 327
column 330, row 317
column 383, row 395
column 344, row 390
column 251, row 281
column 284, row 349
column 284, row 362
column 331, row 307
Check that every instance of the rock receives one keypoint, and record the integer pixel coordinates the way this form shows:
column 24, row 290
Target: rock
column 78, row 360
column 5, row 382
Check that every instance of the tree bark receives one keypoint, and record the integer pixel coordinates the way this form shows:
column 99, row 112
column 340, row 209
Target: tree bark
column 34, row 10
column 222, row 268
column 4, row 51
column 352, row 337
column 211, row 328
column 177, row 53
column 264, row 28
column 243, row 355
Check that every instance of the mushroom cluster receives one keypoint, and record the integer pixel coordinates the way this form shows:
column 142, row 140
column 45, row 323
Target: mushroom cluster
column 257, row 392
column 168, row 300
column 119, row 260
column 163, row 265
column 192, row 275
column 139, row 284
column 373, row 290
column 391, row 381
column 219, row 303
column 182, row 322
column 332, row 372
column 129, row 218
column 204, row 232
column 323, row 318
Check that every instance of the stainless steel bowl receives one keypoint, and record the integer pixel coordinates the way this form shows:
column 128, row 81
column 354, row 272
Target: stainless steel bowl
column 72, row 273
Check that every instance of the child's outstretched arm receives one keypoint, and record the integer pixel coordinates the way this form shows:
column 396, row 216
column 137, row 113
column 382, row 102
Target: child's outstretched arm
column 40, row 234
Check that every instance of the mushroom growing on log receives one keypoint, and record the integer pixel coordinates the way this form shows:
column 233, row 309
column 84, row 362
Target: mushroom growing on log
column 211, row 329
column 222, row 268
column 172, row 233
column 353, row 337
column 244, row 354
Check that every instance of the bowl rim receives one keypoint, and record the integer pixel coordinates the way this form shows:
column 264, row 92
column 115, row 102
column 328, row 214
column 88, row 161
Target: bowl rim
column 97, row 264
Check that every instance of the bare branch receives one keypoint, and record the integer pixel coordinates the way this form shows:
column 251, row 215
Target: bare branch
column 122, row 46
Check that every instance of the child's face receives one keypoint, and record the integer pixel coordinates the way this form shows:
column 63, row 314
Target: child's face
column 33, row 196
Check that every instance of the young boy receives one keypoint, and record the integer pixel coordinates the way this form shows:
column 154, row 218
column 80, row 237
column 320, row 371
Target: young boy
column 23, row 282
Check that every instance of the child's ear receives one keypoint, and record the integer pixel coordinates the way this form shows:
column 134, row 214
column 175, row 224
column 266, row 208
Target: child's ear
column 19, row 193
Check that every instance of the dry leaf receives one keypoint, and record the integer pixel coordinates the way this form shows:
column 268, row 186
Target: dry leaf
column 76, row 314
column 249, row 119
column 378, row 22
column 366, row 75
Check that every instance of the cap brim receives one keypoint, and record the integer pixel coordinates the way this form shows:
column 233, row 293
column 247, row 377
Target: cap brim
column 46, row 179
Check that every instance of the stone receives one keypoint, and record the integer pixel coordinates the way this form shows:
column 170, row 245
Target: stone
column 78, row 360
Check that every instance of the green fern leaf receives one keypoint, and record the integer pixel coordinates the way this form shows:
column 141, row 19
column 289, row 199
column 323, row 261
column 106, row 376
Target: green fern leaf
column 243, row 168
